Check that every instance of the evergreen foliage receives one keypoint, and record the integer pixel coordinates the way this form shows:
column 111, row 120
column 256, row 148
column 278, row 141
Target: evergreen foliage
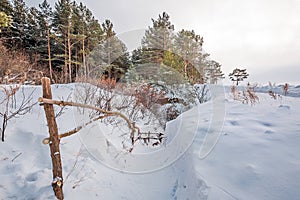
column 238, row 75
column 68, row 43
column 213, row 72
column 158, row 39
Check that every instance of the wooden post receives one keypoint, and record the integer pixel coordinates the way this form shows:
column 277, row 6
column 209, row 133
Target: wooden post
column 57, row 182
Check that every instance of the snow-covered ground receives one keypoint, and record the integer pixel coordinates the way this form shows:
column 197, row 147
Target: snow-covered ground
column 257, row 156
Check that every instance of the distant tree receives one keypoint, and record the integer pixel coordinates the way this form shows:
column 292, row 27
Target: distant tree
column 213, row 72
column 238, row 75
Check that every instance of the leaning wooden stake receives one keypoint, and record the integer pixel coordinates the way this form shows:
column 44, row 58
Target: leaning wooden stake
column 57, row 182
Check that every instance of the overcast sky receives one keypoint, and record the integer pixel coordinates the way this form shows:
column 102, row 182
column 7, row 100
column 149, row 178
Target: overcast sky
column 262, row 36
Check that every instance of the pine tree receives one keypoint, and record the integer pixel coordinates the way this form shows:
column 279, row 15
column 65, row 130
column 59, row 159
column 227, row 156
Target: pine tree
column 32, row 29
column 63, row 27
column 188, row 46
column 110, row 57
column 16, row 34
column 238, row 75
column 137, row 56
column 158, row 39
column 89, row 33
column 213, row 72
column 45, row 41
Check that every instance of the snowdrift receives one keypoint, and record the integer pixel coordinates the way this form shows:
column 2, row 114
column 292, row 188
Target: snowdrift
column 257, row 156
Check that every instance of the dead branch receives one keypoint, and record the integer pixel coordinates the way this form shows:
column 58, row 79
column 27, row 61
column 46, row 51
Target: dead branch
column 60, row 112
column 109, row 113
column 75, row 130
column 16, row 157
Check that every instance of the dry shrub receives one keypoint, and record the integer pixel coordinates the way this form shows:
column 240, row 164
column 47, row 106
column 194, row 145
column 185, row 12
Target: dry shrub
column 249, row 95
column 148, row 95
column 106, row 92
column 18, row 67
column 235, row 93
column 285, row 89
column 12, row 106
column 246, row 96
column 272, row 94
column 172, row 112
column 202, row 93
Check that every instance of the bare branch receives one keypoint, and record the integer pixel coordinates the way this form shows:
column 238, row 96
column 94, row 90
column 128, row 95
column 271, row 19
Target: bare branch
column 75, row 130
column 11, row 109
column 108, row 113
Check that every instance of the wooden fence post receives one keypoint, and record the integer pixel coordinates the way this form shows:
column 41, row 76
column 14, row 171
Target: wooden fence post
column 57, row 182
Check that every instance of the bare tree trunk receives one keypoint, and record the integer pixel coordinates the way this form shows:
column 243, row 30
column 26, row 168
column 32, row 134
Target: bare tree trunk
column 49, row 54
column 69, row 52
column 65, row 69
column 185, row 69
column 57, row 182
column 109, row 57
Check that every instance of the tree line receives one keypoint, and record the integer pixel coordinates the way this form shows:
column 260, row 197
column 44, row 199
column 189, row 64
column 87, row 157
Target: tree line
column 67, row 42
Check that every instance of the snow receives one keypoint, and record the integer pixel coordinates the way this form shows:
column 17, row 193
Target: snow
column 227, row 150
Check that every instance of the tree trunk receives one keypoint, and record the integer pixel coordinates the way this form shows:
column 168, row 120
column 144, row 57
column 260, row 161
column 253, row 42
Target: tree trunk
column 185, row 68
column 83, row 58
column 49, row 54
column 69, row 52
column 65, row 69
column 57, row 182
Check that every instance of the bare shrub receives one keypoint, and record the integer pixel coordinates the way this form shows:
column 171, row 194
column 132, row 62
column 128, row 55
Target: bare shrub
column 148, row 95
column 235, row 92
column 246, row 96
column 13, row 106
column 285, row 89
column 272, row 94
column 249, row 96
column 106, row 92
column 202, row 93
column 18, row 68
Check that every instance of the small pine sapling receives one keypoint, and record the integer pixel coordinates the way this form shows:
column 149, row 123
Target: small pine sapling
column 238, row 75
